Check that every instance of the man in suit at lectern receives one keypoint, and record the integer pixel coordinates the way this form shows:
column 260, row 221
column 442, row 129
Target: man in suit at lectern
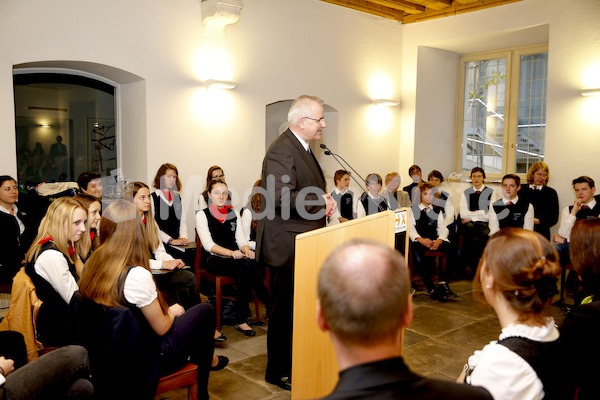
column 364, row 303
column 296, row 201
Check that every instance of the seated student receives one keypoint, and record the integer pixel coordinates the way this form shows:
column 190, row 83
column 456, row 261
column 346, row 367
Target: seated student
column 214, row 172
column 343, row 195
column 396, row 198
column 61, row 374
column 118, row 274
column 585, row 206
column 579, row 330
column 168, row 211
column 364, row 303
column 543, row 198
column 510, row 211
column 90, row 183
column 62, row 242
column 221, row 233
column 414, row 171
column 474, row 208
column 518, row 273
column 428, row 231
column 94, row 208
column 249, row 213
column 441, row 198
column 17, row 230
column 181, row 285
column 372, row 202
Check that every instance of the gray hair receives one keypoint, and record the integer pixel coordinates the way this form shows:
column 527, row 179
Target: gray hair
column 301, row 107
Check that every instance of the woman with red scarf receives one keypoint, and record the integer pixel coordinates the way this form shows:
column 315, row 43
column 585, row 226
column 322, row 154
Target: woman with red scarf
column 53, row 263
column 220, row 230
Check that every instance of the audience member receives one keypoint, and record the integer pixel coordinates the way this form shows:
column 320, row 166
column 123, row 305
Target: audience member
column 343, row 195
column 543, row 198
column 90, row 183
column 517, row 275
column 17, row 231
column 585, row 206
column 511, row 211
column 168, row 211
column 579, row 331
column 441, row 198
column 214, row 172
column 474, row 208
column 371, row 202
column 61, row 243
column 118, row 274
column 364, row 303
column 249, row 213
column 221, row 232
column 94, row 209
column 414, row 171
column 428, row 231
column 396, row 198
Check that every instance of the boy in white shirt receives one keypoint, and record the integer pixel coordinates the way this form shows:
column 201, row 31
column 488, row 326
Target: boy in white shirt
column 510, row 210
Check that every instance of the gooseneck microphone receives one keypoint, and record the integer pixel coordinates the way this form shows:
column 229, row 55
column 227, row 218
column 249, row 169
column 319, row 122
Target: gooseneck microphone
column 328, row 152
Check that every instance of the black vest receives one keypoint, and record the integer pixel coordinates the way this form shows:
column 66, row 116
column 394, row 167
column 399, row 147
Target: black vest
column 370, row 206
column 223, row 233
column 426, row 223
column 52, row 318
column 587, row 212
column 167, row 217
column 344, row 202
column 512, row 216
column 441, row 201
column 252, row 230
column 478, row 201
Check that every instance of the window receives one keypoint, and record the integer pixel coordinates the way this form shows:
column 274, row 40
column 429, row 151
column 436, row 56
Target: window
column 65, row 125
column 503, row 110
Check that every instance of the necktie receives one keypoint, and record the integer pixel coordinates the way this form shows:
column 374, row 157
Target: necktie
column 510, row 203
column 584, row 207
column 478, row 191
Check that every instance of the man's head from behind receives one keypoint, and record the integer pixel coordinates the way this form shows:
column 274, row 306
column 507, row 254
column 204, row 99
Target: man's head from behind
column 363, row 291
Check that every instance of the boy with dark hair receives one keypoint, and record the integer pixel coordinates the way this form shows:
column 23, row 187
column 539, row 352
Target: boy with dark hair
column 343, row 195
column 414, row 171
column 510, row 211
column 474, row 208
column 428, row 231
column 372, row 202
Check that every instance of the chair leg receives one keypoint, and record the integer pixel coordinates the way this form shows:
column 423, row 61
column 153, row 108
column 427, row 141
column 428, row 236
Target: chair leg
column 193, row 391
column 218, row 310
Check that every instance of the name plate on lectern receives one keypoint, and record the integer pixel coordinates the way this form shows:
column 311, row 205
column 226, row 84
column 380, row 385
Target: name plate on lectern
column 401, row 220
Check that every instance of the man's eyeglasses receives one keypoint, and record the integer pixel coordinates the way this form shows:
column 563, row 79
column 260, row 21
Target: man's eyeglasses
column 320, row 120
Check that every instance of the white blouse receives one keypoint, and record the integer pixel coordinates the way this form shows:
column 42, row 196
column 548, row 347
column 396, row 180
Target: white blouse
column 52, row 266
column 139, row 288
column 503, row 372
column 206, row 237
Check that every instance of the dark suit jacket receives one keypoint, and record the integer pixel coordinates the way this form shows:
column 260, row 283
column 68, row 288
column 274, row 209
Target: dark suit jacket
column 545, row 207
column 287, row 170
column 391, row 379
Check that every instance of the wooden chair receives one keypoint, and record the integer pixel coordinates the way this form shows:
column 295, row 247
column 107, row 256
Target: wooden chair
column 186, row 376
column 217, row 280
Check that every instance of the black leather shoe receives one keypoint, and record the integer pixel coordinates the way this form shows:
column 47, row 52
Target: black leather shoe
column 223, row 362
column 221, row 339
column 246, row 332
column 439, row 293
column 448, row 291
column 284, row 382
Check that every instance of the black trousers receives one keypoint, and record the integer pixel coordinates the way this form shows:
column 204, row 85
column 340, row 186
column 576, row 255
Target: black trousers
column 279, row 335
column 424, row 265
column 182, row 287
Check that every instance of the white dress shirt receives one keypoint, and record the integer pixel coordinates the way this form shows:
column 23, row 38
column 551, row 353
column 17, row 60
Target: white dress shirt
column 494, row 224
column 567, row 220
column 442, row 229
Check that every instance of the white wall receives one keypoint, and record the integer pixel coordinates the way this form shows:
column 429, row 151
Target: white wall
column 573, row 122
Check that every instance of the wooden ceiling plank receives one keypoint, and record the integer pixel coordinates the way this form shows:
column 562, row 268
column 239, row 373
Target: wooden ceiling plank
column 434, row 4
column 365, row 7
column 456, row 9
column 406, row 6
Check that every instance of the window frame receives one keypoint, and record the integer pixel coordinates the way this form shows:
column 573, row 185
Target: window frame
column 511, row 104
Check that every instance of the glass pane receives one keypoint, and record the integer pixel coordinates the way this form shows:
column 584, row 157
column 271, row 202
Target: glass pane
column 65, row 125
column 483, row 118
column 532, row 111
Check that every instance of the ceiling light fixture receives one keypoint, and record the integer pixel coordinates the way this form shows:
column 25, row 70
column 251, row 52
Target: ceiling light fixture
column 386, row 102
column 216, row 84
column 590, row 92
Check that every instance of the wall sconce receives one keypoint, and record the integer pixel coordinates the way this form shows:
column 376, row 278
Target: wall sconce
column 217, row 14
column 215, row 84
column 386, row 102
column 590, row 92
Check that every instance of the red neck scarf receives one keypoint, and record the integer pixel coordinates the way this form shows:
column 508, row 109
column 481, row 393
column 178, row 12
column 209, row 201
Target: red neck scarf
column 168, row 194
column 219, row 213
column 50, row 239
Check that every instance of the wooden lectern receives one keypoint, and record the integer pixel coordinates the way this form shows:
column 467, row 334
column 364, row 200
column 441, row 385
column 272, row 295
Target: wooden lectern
column 314, row 366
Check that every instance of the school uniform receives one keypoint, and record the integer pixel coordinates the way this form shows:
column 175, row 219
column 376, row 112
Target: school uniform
column 567, row 221
column 510, row 213
column 474, row 205
column 345, row 202
column 15, row 239
column 367, row 204
column 545, row 206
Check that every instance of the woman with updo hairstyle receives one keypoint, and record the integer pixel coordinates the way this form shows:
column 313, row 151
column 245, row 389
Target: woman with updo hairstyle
column 581, row 327
column 518, row 274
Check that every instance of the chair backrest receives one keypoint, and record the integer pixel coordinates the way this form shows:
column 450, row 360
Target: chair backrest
column 123, row 358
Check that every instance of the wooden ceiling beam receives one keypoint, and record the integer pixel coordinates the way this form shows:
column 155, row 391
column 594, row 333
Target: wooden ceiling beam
column 369, row 8
column 408, row 7
column 434, row 4
column 455, row 10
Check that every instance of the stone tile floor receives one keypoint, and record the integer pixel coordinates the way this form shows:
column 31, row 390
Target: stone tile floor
column 437, row 343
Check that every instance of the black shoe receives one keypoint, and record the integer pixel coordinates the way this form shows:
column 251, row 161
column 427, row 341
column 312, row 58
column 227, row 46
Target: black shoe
column 439, row 293
column 221, row 339
column 246, row 332
column 223, row 362
column 448, row 291
column 284, row 382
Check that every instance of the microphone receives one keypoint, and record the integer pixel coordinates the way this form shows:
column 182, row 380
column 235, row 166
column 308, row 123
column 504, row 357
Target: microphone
column 328, row 152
